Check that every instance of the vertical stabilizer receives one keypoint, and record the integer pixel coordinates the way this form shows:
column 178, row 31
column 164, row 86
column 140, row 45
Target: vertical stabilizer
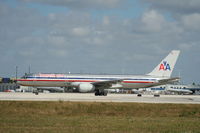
column 166, row 66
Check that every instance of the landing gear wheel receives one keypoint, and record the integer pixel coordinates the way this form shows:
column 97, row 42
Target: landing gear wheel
column 36, row 92
column 96, row 94
column 100, row 93
column 104, row 93
column 156, row 95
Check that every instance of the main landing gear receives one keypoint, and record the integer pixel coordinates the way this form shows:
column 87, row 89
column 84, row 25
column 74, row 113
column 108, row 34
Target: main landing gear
column 35, row 91
column 100, row 93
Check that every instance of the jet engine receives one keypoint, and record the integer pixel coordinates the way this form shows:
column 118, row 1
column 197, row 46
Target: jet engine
column 86, row 87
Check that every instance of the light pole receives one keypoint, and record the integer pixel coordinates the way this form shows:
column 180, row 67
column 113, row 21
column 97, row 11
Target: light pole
column 16, row 72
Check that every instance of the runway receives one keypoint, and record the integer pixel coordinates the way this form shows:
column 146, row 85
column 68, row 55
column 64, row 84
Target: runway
column 89, row 97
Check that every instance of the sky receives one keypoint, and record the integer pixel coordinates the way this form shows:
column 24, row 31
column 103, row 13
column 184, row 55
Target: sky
column 99, row 36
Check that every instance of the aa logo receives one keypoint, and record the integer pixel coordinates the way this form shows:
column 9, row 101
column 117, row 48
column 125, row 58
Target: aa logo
column 164, row 66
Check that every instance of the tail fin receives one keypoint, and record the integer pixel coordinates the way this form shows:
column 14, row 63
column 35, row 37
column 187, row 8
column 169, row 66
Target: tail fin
column 166, row 66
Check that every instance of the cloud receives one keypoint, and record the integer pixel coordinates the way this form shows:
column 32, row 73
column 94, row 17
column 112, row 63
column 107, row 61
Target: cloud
column 153, row 21
column 191, row 21
column 106, row 20
column 175, row 6
column 186, row 47
column 76, row 40
column 81, row 4
column 80, row 31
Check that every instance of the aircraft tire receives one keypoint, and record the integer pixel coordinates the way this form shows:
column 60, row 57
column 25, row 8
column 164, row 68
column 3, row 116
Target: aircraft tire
column 105, row 93
column 156, row 95
column 36, row 92
column 100, row 93
column 96, row 94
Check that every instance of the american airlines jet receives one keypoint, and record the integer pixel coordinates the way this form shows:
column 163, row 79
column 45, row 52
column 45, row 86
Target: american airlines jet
column 99, row 83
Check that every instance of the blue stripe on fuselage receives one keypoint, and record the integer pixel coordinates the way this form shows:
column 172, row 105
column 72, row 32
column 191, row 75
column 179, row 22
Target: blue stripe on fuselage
column 88, row 78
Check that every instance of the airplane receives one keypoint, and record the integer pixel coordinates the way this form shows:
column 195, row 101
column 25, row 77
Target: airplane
column 179, row 91
column 160, row 75
column 172, row 88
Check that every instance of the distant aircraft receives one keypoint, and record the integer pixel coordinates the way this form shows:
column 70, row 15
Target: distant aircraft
column 179, row 90
column 99, row 83
column 173, row 88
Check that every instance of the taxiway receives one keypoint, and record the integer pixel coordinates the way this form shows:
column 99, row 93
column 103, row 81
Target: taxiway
column 89, row 97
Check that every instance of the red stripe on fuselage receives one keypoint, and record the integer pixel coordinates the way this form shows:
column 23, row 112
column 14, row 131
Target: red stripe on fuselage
column 57, row 80
column 80, row 81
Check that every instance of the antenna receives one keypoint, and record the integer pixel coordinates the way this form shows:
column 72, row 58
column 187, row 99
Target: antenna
column 16, row 71
column 29, row 69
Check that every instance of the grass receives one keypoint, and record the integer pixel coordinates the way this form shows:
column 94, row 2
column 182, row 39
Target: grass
column 94, row 117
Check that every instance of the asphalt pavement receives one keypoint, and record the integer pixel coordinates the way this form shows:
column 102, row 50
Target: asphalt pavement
column 89, row 97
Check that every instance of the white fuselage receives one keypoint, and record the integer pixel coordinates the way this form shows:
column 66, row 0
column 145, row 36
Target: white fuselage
column 74, row 80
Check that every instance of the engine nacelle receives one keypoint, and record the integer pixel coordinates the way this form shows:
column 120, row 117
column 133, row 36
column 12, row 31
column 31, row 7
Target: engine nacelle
column 86, row 87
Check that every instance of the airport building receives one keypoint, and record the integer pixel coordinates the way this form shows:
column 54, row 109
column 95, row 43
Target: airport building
column 8, row 87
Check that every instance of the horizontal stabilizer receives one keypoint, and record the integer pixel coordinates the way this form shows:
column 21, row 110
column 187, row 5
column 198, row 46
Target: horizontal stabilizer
column 175, row 79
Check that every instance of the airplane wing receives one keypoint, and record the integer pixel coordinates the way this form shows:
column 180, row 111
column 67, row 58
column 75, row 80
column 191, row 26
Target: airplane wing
column 169, row 80
column 106, row 84
column 164, row 81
